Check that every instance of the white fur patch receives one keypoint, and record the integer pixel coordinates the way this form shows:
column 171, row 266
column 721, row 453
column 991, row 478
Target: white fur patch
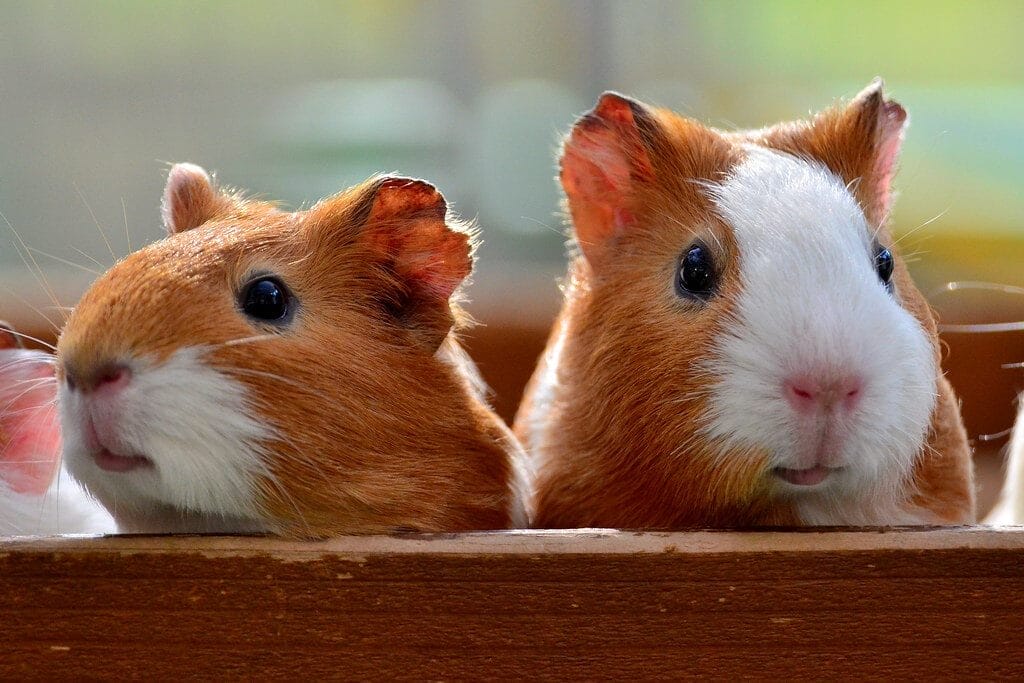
column 64, row 509
column 196, row 426
column 543, row 397
column 1010, row 508
column 812, row 301
column 539, row 420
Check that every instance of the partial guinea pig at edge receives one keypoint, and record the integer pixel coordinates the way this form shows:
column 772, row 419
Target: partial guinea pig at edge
column 37, row 497
column 288, row 372
column 741, row 343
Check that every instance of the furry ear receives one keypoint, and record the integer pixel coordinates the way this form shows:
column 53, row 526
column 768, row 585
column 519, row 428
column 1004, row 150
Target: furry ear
column 408, row 226
column 404, row 225
column 603, row 158
column 859, row 142
column 29, row 430
column 191, row 199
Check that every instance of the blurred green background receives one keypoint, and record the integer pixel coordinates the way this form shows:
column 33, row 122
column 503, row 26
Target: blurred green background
column 295, row 100
column 299, row 99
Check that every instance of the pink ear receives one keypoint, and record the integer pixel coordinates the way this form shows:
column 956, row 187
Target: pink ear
column 892, row 120
column 602, row 160
column 9, row 339
column 407, row 225
column 29, row 430
column 190, row 199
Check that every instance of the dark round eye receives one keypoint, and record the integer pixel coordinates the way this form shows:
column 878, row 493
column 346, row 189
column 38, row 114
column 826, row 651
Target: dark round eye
column 696, row 273
column 265, row 299
column 884, row 264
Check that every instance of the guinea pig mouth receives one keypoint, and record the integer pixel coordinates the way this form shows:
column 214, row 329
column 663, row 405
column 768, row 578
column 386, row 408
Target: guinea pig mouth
column 112, row 462
column 812, row 476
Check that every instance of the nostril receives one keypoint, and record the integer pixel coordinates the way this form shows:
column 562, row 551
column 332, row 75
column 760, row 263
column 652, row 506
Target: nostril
column 807, row 394
column 852, row 392
column 800, row 393
column 112, row 377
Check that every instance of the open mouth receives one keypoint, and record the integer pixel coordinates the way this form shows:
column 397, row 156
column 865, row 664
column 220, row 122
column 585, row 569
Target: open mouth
column 111, row 462
column 812, row 476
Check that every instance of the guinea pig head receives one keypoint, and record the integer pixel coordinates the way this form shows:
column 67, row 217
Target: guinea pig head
column 741, row 342
column 266, row 370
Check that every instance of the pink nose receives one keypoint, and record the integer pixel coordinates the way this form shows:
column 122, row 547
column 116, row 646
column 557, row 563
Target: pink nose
column 809, row 394
column 109, row 379
column 113, row 379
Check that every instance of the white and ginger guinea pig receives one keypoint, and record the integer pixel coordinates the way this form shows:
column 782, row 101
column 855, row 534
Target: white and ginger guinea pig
column 37, row 498
column 294, row 373
column 740, row 342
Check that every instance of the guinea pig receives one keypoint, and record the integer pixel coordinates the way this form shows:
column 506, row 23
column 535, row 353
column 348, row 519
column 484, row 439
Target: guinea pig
column 294, row 373
column 740, row 343
column 37, row 497
column 1009, row 509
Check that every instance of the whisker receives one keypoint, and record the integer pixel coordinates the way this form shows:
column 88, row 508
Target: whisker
column 35, row 339
column 37, row 274
column 268, row 375
column 94, row 220
column 24, row 462
column 127, row 236
column 33, row 384
column 55, row 326
column 560, row 233
column 247, row 340
column 31, row 358
column 923, row 225
column 98, row 264
column 64, row 261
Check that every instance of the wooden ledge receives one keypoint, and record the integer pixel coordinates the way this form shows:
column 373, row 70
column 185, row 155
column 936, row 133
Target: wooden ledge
column 531, row 542
column 585, row 604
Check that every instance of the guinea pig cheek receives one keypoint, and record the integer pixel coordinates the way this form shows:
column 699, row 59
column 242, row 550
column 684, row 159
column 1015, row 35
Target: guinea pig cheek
column 94, row 418
column 861, row 426
column 177, row 432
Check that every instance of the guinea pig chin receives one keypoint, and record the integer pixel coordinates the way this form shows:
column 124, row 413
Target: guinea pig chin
column 142, row 434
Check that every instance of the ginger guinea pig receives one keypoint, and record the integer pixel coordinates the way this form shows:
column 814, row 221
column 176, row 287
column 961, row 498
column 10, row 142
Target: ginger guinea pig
column 295, row 373
column 37, row 498
column 740, row 343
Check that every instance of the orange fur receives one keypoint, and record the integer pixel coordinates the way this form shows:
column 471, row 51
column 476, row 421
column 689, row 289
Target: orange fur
column 380, row 429
column 616, row 452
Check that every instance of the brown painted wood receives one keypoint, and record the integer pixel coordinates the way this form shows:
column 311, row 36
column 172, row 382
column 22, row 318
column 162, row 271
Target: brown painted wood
column 551, row 605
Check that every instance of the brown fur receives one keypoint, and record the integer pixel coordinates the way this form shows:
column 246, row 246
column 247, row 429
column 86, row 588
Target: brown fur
column 380, row 429
column 611, row 455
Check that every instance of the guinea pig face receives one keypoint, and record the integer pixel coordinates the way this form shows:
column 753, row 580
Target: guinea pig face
column 775, row 342
column 819, row 365
column 199, row 369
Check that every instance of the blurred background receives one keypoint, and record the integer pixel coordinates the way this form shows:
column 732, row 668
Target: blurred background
column 297, row 100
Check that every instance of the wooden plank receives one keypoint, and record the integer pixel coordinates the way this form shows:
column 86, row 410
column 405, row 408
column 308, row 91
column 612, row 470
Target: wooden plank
column 595, row 604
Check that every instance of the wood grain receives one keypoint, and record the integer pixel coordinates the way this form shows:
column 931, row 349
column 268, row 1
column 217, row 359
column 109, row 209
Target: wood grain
column 594, row 604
